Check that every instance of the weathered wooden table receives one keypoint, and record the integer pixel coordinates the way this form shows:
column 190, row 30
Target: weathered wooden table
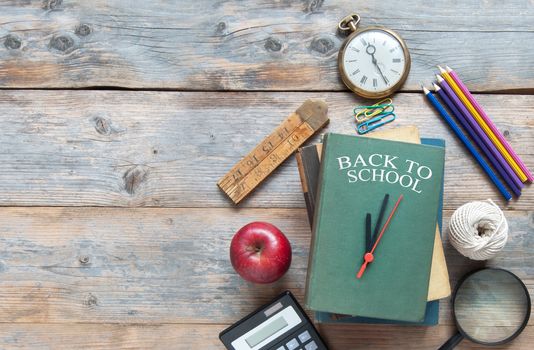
column 118, row 118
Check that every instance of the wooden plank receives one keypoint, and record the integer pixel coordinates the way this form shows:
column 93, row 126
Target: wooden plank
column 110, row 336
column 169, row 149
column 260, row 45
column 114, row 265
column 205, row 337
column 402, row 337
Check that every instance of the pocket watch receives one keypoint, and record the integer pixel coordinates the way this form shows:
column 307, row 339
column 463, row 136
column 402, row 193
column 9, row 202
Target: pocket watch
column 373, row 62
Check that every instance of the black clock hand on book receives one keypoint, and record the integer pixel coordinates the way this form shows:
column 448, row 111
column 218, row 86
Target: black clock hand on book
column 370, row 239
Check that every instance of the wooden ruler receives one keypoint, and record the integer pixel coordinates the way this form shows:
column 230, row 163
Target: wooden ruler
column 246, row 175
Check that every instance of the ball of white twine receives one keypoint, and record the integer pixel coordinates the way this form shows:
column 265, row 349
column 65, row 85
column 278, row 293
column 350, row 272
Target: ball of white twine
column 478, row 230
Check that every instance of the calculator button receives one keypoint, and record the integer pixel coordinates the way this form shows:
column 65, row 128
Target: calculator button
column 311, row 346
column 281, row 348
column 292, row 344
column 304, row 336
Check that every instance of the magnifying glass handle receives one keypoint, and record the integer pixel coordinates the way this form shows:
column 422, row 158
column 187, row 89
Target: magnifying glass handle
column 452, row 342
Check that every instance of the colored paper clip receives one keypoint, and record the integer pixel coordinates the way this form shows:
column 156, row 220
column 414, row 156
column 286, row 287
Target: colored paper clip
column 375, row 122
column 364, row 113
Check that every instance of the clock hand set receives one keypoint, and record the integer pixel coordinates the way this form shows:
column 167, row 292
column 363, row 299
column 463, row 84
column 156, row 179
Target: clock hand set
column 372, row 241
column 371, row 49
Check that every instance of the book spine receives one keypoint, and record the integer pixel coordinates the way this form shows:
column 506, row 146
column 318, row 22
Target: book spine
column 304, row 183
column 316, row 223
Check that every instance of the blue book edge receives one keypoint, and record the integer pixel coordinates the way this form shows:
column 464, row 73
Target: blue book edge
column 432, row 307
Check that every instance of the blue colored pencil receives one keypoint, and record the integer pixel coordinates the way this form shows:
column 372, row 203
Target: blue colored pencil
column 478, row 141
column 467, row 144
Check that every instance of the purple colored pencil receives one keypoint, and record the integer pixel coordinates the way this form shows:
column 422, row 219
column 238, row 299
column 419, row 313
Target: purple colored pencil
column 456, row 109
column 490, row 124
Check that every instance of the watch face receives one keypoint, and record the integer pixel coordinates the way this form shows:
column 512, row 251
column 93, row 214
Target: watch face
column 374, row 61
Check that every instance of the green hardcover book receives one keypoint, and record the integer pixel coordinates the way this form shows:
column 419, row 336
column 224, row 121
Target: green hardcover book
column 356, row 173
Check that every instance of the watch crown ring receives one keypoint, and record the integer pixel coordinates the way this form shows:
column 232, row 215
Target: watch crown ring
column 349, row 23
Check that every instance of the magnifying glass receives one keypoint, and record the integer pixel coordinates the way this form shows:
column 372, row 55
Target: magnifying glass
column 490, row 307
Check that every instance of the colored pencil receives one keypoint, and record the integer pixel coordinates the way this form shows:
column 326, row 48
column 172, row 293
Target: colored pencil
column 482, row 124
column 467, row 144
column 476, row 135
column 489, row 122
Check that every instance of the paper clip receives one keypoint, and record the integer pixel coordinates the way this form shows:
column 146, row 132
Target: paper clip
column 364, row 113
column 375, row 122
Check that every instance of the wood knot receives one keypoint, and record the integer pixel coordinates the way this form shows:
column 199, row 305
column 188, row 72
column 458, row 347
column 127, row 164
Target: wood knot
column 322, row 45
column 84, row 259
column 273, row 44
column 62, row 43
column 221, row 28
column 134, row 177
column 90, row 300
column 51, row 4
column 506, row 133
column 314, row 5
column 102, row 126
column 12, row 42
column 83, row 30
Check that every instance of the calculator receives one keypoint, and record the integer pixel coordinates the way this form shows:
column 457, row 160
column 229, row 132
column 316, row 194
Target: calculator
column 281, row 324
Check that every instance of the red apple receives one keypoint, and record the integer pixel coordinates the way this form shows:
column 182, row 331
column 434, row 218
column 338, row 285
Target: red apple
column 260, row 252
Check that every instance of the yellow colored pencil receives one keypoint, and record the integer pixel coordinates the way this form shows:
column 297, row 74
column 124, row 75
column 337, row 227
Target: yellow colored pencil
column 483, row 125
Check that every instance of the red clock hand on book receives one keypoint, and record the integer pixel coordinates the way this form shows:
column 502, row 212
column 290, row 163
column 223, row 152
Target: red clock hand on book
column 368, row 256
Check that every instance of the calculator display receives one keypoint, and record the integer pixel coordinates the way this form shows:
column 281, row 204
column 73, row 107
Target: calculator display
column 266, row 332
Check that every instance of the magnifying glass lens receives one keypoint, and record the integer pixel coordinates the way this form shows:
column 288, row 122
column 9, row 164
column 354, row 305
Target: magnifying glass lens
column 491, row 306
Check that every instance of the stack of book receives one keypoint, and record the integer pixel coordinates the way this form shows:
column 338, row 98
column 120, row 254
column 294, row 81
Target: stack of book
column 343, row 180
